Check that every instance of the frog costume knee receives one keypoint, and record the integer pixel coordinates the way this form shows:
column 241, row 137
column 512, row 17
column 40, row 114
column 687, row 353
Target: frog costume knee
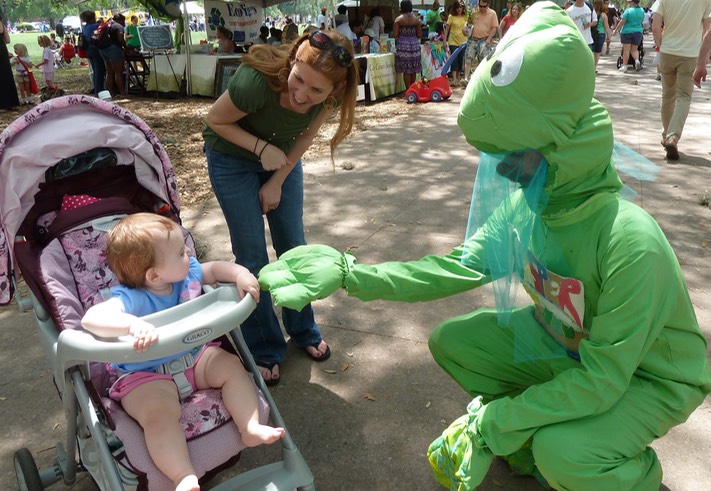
column 608, row 355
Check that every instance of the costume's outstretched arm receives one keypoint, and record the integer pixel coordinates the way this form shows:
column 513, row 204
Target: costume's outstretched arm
column 308, row 273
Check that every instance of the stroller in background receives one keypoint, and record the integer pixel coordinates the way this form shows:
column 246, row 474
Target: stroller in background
column 630, row 60
column 60, row 252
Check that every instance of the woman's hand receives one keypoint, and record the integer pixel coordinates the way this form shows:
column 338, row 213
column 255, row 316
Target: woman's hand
column 272, row 158
column 270, row 195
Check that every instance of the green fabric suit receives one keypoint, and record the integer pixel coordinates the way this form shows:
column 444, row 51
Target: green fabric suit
column 614, row 354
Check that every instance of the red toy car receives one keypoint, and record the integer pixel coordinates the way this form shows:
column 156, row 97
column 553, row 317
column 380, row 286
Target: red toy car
column 425, row 90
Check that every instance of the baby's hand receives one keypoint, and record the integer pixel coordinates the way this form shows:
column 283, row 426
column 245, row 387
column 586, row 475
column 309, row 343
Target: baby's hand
column 247, row 284
column 144, row 335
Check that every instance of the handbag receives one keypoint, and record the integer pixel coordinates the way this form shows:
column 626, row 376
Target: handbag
column 34, row 89
column 593, row 29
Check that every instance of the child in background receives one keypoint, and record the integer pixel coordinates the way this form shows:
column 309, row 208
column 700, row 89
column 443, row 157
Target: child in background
column 47, row 60
column 439, row 32
column 22, row 62
column 147, row 253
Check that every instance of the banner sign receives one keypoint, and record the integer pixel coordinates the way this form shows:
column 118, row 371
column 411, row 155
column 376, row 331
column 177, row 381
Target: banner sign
column 433, row 57
column 242, row 19
column 383, row 79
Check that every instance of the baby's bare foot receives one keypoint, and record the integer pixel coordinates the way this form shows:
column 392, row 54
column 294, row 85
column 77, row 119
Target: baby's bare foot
column 188, row 483
column 258, row 434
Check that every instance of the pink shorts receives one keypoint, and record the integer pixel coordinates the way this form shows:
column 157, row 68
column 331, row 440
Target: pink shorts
column 129, row 381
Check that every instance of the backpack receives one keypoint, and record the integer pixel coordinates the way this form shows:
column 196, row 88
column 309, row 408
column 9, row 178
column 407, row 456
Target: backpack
column 101, row 38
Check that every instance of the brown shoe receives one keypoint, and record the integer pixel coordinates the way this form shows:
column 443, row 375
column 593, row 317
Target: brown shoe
column 672, row 151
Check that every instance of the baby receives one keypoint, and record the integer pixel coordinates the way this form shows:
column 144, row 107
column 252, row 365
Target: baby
column 147, row 253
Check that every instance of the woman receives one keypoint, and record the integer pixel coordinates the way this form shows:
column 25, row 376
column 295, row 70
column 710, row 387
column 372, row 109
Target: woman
column 407, row 32
column 603, row 29
column 96, row 62
column 630, row 29
column 256, row 133
column 454, row 37
column 8, row 90
column 375, row 22
column 224, row 41
column 509, row 19
column 113, row 56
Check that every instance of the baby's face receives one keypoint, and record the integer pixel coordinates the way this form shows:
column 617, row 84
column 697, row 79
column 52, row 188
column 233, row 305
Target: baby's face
column 172, row 258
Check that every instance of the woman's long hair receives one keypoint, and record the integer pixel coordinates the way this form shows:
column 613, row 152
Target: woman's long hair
column 271, row 60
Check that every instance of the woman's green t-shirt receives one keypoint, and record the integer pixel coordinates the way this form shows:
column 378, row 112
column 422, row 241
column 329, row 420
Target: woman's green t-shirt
column 250, row 92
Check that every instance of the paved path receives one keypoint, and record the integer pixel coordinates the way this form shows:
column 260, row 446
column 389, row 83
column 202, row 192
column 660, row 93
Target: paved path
column 368, row 425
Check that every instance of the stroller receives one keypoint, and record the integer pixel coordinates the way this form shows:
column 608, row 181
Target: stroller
column 59, row 251
column 630, row 60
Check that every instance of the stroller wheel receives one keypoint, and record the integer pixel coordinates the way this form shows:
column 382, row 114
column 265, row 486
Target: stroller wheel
column 28, row 478
column 619, row 62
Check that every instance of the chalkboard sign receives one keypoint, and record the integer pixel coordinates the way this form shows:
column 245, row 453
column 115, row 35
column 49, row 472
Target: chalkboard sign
column 155, row 37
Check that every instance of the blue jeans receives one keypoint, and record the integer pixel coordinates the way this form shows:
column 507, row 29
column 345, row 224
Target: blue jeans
column 98, row 70
column 236, row 182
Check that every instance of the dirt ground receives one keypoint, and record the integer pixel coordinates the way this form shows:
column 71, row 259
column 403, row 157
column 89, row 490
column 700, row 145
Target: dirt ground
column 178, row 122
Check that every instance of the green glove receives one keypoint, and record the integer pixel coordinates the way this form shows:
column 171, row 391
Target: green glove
column 460, row 458
column 304, row 274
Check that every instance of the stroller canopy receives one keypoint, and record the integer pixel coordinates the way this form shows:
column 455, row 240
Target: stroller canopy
column 62, row 128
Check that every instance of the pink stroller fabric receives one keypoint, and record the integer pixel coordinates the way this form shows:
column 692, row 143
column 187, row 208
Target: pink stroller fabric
column 71, row 125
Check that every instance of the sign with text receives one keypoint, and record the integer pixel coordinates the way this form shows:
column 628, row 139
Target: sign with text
column 242, row 19
column 383, row 79
column 155, row 37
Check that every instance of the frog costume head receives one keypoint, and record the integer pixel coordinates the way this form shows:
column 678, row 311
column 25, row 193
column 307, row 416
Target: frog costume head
column 535, row 91
column 532, row 100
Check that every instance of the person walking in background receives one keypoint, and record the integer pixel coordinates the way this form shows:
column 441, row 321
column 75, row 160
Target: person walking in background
column 256, row 134
column 684, row 22
column 454, row 37
column 602, row 28
column 612, row 20
column 407, row 32
column 485, row 25
column 96, row 62
column 631, row 33
column 8, row 91
column 700, row 71
column 584, row 18
column 509, row 19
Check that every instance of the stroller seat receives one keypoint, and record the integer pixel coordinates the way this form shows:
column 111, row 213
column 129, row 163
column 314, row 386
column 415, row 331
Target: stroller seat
column 122, row 169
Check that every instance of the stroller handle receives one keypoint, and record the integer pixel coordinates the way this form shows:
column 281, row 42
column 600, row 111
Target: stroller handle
column 180, row 329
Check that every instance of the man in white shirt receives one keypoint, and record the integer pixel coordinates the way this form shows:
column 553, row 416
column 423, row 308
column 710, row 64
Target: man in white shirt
column 321, row 20
column 684, row 23
column 352, row 30
column 584, row 17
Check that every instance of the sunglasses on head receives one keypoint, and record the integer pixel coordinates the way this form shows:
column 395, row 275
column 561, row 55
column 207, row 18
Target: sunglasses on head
column 320, row 40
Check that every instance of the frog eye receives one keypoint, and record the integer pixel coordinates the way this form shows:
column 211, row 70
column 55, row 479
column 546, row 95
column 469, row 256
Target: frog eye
column 505, row 69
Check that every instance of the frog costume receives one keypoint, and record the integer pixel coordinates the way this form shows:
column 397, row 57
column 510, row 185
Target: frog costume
column 609, row 356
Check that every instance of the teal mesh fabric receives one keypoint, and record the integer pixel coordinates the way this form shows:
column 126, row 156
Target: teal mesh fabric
column 507, row 200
